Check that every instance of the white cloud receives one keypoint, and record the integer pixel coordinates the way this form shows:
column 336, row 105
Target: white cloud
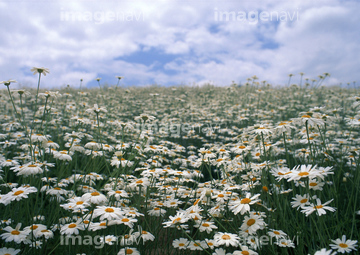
column 82, row 39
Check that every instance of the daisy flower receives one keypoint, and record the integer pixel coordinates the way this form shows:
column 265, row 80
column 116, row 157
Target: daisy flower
column 207, row 226
column 127, row 221
column 197, row 245
column 277, row 233
column 283, row 242
column 63, row 155
column 109, row 239
column 72, row 228
column 157, row 211
column 14, row 234
column 220, row 251
column 305, row 171
column 181, row 243
column 243, row 205
column 35, row 229
column 29, row 169
column 319, row 208
column 227, row 239
column 76, row 204
column 127, row 251
column 9, row 251
column 245, row 251
column 211, row 243
column 300, row 201
column 324, row 252
column 94, row 197
column 147, row 236
column 109, row 213
column 252, row 224
column 40, row 70
column 342, row 245
column 176, row 220
column 47, row 234
column 19, row 193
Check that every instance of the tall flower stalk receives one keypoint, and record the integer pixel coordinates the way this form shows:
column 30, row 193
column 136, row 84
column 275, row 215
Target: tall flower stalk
column 7, row 84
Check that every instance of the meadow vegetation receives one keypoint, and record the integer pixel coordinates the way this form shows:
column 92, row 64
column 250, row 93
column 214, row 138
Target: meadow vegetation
column 251, row 169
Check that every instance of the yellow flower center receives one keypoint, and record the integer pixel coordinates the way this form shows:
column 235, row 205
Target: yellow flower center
column 129, row 251
column 79, row 202
column 95, row 193
column 303, row 200
column 276, row 232
column 343, row 245
column 245, row 200
column 15, row 232
column 176, row 220
column 250, row 222
column 225, row 237
column 303, row 173
column 73, row 225
column 18, row 192
column 205, row 225
column 109, row 210
column 245, row 253
column 125, row 220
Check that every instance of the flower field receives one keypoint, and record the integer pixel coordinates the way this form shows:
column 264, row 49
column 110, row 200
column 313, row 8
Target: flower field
column 250, row 169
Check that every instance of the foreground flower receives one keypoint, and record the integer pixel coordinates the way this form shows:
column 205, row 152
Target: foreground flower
column 304, row 171
column 9, row 251
column 285, row 243
column 40, row 70
column 245, row 251
column 207, row 226
column 319, row 208
column 176, row 220
column 72, row 228
column 109, row 213
column 227, row 239
column 181, row 243
column 220, row 251
column 342, row 245
column 300, row 201
column 94, row 197
column 243, row 205
column 14, row 234
column 127, row 251
column 8, row 82
column 252, row 224
column 277, row 233
column 324, row 252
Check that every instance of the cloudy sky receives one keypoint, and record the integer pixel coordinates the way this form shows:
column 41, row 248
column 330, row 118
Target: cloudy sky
column 178, row 42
